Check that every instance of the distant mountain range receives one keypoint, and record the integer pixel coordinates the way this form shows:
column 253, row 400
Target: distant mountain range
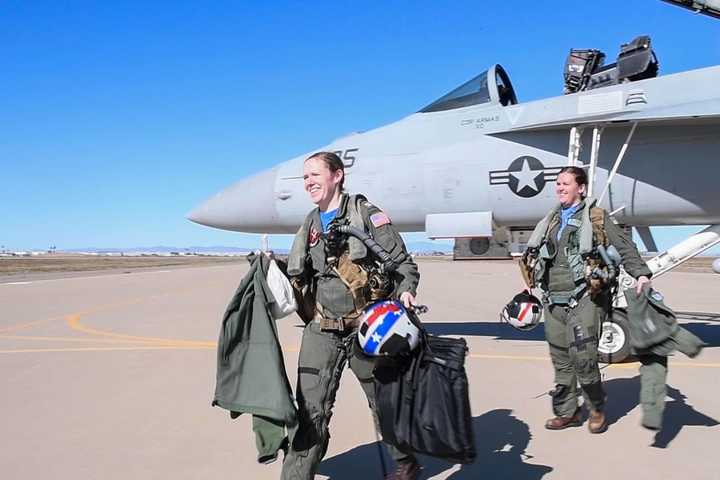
column 163, row 249
column 419, row 247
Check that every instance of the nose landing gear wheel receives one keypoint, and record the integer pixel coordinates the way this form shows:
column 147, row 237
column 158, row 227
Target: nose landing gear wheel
column 614, row 343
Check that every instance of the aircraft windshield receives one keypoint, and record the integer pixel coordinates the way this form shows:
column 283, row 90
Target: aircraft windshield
column 473, row 92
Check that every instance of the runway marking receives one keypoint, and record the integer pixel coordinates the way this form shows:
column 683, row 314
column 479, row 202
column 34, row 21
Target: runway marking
column 92, row 311
column 672, row 363
column 123, row 271
column 612, row 365
column 73, row 322
column 106, row 349
column 119, row 349
column 154, row 343
column 70, row 339
column 506, row 357
column 21, row 326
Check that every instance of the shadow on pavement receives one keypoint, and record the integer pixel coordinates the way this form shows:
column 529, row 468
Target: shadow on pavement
column 679, row 414
column 708, row 332
column 623, row 396
column 501, row 440
column 703, row 316
column 501, row 331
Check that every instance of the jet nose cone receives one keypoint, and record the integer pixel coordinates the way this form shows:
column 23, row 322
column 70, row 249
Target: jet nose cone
column 246, row 206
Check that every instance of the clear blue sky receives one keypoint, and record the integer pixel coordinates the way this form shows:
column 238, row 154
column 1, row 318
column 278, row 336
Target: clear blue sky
column 117, row 118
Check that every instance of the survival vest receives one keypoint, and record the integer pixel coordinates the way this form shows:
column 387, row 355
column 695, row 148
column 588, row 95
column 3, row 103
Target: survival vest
column 580, row 253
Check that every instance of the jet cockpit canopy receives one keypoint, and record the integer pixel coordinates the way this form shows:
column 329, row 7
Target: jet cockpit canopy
column 477, row 91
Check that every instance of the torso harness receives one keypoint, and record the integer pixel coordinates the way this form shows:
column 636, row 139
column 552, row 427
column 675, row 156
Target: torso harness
column 589, row 267
column 351, row 254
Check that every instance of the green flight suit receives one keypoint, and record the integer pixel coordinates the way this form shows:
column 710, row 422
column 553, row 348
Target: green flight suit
column 571, row 328
column 251, row 375
column 655, row 334
column 324, row 354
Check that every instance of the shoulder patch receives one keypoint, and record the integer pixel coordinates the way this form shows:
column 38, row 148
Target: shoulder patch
column 313, row 237
column 379, row 219
column 657, row 296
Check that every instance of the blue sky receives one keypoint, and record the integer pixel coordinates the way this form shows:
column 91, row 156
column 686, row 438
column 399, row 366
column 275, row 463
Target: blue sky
column 118, row 118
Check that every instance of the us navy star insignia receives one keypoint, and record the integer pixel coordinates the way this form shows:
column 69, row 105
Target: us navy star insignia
column 526, row 176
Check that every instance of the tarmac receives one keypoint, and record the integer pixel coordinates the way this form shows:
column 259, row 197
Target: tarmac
column 111, row 376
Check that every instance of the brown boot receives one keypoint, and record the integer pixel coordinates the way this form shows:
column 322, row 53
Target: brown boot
column 561, row 423
column 597, row 422
column 406, row 470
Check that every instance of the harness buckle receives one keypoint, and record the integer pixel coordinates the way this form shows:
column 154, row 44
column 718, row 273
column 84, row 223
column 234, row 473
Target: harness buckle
column 332, row 324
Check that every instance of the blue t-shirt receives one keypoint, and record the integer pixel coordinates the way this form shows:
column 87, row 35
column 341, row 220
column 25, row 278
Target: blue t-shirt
column 565, row 214
column 326, row 218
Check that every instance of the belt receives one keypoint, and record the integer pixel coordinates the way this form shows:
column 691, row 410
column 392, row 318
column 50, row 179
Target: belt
column 337, row 325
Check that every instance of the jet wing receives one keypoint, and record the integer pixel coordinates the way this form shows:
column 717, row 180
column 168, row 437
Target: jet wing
column 695, row 111
column 687, row 96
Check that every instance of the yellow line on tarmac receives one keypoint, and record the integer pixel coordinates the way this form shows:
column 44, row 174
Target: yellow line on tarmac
column 106, row 349
column 506, row 357
column 118, row 349
column 92, row 311
column 73, row 322
column 634, row 365
column 692, row 364
column 71, row 339
column 21, row 326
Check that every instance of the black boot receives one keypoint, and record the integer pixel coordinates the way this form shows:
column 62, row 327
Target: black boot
column 408, row 469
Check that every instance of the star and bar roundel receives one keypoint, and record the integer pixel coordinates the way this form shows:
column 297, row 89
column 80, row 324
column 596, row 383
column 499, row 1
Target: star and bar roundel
column 526, row 176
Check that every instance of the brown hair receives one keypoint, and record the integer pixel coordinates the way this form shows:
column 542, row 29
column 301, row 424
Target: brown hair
column 579, row 174
column 332, row 161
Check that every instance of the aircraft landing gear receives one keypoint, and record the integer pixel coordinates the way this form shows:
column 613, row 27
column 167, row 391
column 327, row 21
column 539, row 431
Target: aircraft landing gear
column 614, row 341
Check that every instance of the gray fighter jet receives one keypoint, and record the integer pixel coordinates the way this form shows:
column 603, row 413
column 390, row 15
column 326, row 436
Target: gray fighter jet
column 478, row 166
column 475, row 161
column 710, row 8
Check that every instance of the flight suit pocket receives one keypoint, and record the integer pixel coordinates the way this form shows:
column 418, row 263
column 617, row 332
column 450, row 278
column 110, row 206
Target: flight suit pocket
column 309, row 409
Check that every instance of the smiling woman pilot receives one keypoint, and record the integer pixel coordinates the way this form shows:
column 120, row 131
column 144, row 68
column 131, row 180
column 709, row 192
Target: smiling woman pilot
column 559, row 252
column 328, row 341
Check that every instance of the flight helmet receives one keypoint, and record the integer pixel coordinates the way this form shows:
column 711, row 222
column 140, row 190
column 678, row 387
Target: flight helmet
column 386, row 329
column 523, row 312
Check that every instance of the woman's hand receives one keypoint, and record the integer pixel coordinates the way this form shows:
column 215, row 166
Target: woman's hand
column 407, row 299
column 641, row 283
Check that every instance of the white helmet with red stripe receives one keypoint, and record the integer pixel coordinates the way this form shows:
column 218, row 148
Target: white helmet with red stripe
column 386, row 329
column 523, row 312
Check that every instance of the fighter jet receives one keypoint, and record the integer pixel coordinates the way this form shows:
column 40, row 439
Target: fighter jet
column 710, row 8
column 476, row 163
column 478, row 166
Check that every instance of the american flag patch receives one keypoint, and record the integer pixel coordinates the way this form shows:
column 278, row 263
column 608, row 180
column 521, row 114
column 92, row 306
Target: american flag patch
column 379, row 219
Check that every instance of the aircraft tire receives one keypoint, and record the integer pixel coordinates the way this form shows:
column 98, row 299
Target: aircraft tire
column 614, row 344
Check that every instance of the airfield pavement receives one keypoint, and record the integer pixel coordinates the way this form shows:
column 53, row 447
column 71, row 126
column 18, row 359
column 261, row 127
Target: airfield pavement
column 111, row 376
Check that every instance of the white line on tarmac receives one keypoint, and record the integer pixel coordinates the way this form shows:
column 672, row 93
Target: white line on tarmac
column 16, row 283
